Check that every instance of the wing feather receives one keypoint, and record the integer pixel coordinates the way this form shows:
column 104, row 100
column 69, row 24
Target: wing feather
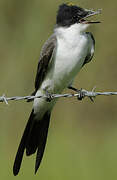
column 92, row 49
column 44, row 61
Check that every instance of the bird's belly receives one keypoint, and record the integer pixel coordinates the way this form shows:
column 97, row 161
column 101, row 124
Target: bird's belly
column 68, row 62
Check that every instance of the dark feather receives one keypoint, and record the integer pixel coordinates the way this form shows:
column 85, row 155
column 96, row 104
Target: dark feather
column 42, row 140
column 90, row 54
column 45, row 60
column 34, row 138
column 21, row 148
column 32, row 142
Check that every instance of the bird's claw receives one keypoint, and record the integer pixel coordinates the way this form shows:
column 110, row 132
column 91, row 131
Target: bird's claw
column 49, row 97
column 81, row 94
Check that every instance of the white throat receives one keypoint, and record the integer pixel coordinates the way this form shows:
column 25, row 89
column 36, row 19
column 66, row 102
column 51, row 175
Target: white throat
column 72, row 32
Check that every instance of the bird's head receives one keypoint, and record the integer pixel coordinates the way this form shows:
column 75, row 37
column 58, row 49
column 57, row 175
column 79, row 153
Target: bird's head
column 70, row 14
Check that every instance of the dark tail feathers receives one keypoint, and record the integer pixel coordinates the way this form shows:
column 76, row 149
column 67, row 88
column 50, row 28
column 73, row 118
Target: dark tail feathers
column 34, row 138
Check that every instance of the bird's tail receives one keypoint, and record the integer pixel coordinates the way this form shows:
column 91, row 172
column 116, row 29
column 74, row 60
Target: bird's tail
column 34, row 138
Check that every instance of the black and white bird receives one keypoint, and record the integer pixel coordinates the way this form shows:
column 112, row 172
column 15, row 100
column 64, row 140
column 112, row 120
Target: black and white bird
column 67, row 50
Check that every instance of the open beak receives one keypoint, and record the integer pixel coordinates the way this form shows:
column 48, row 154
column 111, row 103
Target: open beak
column 90, row 13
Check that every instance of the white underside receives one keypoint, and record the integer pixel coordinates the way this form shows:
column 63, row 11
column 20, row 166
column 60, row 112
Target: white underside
column 72, row 48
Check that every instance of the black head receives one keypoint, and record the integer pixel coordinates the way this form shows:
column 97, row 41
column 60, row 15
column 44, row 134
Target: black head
column 71, row 14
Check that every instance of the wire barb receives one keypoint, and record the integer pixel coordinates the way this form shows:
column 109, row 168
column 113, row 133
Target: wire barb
column 4, row 99
column 90, row 94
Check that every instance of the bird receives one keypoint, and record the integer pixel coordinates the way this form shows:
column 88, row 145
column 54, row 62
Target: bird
column 62, row 56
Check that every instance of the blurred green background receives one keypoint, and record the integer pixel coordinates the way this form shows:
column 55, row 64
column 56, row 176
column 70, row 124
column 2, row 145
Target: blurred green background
column 82, row 140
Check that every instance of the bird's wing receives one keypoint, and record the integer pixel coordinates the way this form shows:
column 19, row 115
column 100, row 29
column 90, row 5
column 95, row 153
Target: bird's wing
column 92, row 49
column 45, row 60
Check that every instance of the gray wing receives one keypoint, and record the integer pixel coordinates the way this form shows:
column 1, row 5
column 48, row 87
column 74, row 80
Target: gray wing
column 44, row 61
column 92, row 49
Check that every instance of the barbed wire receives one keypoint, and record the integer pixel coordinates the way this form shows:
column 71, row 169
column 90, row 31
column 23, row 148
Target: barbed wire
column 90, row 94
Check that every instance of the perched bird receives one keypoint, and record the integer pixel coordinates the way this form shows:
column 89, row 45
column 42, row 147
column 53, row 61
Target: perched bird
column 67, row 50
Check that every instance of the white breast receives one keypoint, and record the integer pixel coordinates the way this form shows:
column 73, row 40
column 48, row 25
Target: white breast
column 71, row 50
column 72, row 47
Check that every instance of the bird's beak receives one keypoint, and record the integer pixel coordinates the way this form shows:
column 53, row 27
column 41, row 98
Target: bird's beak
column 90, row 13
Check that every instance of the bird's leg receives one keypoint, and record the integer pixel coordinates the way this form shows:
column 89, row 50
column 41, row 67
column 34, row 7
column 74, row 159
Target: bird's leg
column 81, row 93
column 49, row 96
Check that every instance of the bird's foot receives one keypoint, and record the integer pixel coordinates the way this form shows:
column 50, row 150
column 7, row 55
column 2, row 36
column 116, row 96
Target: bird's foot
column 80, row 92
column 49, row 96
